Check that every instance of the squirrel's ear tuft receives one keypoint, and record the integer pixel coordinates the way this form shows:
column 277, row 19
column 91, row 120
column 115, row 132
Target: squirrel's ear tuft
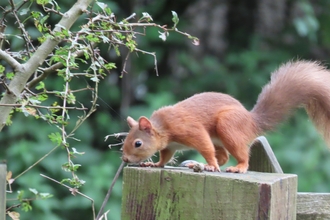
column 131, row 122
column 145, row 124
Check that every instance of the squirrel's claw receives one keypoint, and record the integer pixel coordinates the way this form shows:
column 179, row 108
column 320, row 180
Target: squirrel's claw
column 237, row 169
column 211, row 168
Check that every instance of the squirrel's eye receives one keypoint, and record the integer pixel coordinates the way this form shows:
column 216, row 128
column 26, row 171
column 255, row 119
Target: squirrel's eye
column 138, row 143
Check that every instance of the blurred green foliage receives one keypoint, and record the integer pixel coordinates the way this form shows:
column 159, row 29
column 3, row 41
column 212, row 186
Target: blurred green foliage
column 241, row 70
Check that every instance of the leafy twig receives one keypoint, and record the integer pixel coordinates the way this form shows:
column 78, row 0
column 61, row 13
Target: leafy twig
column 27, row 40
column 53, row 68
column 44, row 107
column 73, row 192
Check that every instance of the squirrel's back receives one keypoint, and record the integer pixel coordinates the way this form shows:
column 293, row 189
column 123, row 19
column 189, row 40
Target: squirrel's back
column 202, row 106
column 295, row 84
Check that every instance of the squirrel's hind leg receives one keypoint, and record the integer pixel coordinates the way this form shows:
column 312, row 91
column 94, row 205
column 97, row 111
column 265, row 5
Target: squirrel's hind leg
column 221, row 154
column 236, row 128
column 241, row 153
column 204, row 145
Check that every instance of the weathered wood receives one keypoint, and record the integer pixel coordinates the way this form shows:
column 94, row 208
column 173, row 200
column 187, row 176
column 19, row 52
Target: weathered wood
column 3, row 174
column 313, row 206
column 310, row 206
column 262, row 158
column 151, row 193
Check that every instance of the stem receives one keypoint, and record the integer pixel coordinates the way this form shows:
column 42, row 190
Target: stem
column 38, row 161
column 45, row 107
column 110, row 190
column 73, row 190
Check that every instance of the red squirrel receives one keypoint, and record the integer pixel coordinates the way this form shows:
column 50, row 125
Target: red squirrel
column 216, row 124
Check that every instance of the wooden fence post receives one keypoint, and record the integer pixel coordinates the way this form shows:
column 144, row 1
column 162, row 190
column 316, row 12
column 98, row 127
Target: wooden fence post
column 262, row 158
column 3, row 174
column 310, row 206
column 179, row 193
column 150, row 193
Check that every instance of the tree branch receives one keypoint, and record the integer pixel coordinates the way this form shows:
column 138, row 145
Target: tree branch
column 24, row 72
column 9, row 59
column 44, row 107
column 52, row 69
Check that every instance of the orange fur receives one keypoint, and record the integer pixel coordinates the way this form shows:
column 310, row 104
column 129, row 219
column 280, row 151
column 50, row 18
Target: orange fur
column 216, row 124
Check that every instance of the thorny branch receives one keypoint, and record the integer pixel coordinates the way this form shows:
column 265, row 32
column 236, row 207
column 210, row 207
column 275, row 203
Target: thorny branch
column 44, row 107
column 27, row 40
column 45, row 56
column 52, row 69
column 73, row 191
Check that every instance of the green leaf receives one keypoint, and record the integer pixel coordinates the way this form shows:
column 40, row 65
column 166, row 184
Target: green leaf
column 39, row 27
column 175, row 18
column 40, row 86
column 71, row 98
column 26, row 206
column 34, row 191
column 102, row 5
column 163, row 35
column 10, row 75
column 42, row 39
column 42, row 97
column 75, row 167
column 24, row 11
column 146, row 16
column 42, row 2
column 2, row 69
column 131, row 45
column 74, row 182
column 45, row 195
column 66, row 167
column 93, row 38
column 110, row 66
column 95, row 79
column 8, row 120
column 55, row 138
column 116, row 47
column 20, row 195
column 36, row 15
column 42, row 20
column 108, row 11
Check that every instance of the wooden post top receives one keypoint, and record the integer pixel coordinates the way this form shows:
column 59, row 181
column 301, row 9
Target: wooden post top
column 180, row 193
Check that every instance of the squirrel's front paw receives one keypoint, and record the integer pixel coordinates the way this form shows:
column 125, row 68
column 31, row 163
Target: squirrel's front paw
column 147, row 164
column 150, row 164
column 237, row 169
column 211, row 168
column 191, row 164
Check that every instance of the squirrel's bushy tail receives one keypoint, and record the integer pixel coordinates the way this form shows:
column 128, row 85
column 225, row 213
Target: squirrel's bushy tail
column 295, row 84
